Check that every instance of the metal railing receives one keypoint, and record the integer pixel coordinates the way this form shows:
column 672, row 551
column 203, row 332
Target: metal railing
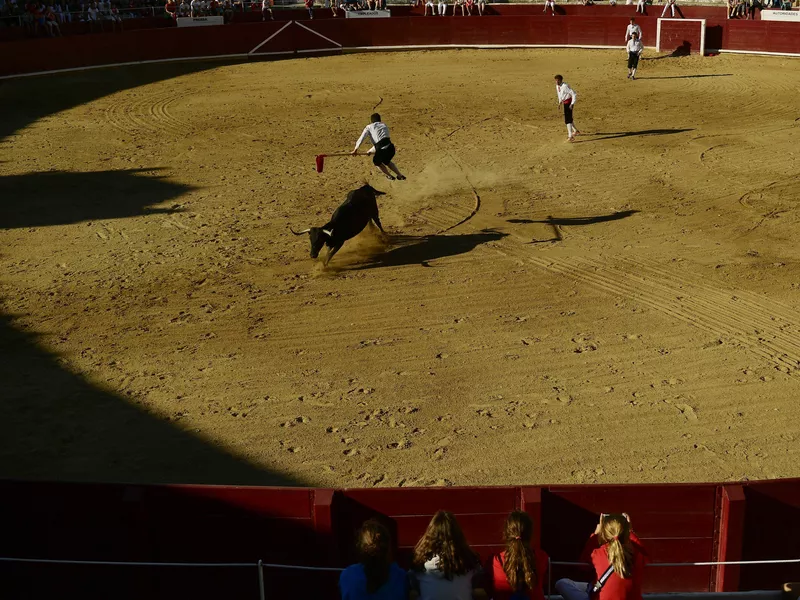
column 261, row 565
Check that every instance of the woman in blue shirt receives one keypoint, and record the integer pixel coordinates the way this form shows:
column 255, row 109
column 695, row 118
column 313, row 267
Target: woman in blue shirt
column 376, row 576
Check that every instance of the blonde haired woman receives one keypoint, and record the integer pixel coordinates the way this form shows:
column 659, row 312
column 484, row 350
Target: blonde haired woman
column 618, row 558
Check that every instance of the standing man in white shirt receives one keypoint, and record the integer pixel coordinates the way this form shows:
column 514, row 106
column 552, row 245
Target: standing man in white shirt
column 567, row 97
column 633, row 28
column 382, row 146
column 635, row 49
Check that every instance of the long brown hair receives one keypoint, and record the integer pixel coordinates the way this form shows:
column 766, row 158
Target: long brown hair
column 374, row 553
column 615, row 531
column 519, row 563
column 444, row 538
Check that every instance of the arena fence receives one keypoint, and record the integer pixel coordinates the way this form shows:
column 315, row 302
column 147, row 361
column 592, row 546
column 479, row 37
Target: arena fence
column 261, row 565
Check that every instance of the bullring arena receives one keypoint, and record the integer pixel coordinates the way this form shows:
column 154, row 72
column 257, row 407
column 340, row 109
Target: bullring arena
column 623, row 309
column 549, row 321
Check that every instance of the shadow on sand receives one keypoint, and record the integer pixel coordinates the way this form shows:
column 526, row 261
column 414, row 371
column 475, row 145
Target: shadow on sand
column 688, row 76
column 61, row 198
column 557, row 223
column 624, row 134
column 419, row 250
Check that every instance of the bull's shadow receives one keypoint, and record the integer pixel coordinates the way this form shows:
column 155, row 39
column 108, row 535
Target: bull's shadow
column 419, row 250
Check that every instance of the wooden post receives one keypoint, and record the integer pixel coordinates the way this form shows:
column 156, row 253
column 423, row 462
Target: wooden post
column 731, row 532
column 530, row 501
column 322, row 508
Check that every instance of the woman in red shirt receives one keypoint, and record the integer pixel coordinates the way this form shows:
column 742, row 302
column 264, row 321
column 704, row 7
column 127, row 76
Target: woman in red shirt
column 519, row 571
column 618, row 558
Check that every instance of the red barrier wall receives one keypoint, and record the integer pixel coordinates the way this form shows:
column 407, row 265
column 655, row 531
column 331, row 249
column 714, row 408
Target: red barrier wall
column 315, row 527
column 590, row 29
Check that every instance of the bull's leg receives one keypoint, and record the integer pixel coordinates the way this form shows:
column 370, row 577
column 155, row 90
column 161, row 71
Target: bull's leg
column 377, row 220
column 331, row 251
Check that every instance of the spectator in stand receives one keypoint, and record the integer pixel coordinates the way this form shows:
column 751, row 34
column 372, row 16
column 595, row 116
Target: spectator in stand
column 227, row 11
column 310, row 7
column 671, row 6
column 551, row 4
column 171, row 9
column 641, row 6
column 93, row 16
column 266, row 7
column 443, row 565
column 51, row 23
column 588, row 2
column 731, row 8
column 481, row 7
column 612, row 2
column 442, row 8
column 752, row 5
column 469, row 4
column 197, row 7
column 458, row 4
column 519, row 571
column 618, row 558
column 633, row 28
column 429, row 4
column 375, row 576
column 115, row 18
column 184, row 10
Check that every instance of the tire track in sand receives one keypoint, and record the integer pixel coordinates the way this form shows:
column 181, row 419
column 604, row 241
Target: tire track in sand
column 148, row 113
column 762, row 326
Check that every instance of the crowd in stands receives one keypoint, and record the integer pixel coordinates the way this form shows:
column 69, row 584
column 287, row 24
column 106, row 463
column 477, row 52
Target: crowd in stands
column 444, row 567
column 746, row 9
column 40, row 18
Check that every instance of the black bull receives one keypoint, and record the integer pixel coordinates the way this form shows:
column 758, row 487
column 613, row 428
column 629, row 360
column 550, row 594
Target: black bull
column 346, row 222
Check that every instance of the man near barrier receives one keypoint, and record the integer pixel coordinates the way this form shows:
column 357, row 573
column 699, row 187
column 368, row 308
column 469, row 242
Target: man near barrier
column 635, row 49
column 382, row 146
column 633, row 28
column 567, row 97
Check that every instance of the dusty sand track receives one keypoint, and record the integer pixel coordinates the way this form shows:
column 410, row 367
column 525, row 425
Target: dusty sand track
column 623, row 309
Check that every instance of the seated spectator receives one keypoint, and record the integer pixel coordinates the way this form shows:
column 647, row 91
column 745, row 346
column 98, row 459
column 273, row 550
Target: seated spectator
column 184, row 10
column 375, row 576
column 786, row 5
column 618, row 558
column 266, row 7
column 519, row 571
column 551, row 5
column 227, row 11
column 458, row 4
column 93, row 16
column 310, row 7
column 115, row 18
column 442, row 8
column 612, row 2
column 752, row 5
column 588, row 2
column 741, row 9
column 51, row 23
column 197, row 8
column 171, row 9
column 443, row 565
column 481, row 7
column 429, row 4
column 469, row 4
column 641, row 6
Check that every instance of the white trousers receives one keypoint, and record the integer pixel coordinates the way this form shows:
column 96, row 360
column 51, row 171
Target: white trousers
column 573, row 590
column 672, row 10
column 443, row 8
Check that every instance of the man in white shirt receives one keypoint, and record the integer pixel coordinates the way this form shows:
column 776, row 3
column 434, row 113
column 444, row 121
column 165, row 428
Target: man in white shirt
column 633, row 28
column 567, row 97
column 634, row 49
column 382, row 146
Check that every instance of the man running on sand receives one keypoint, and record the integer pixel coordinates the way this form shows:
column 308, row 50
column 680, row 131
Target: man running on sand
column 382, row 146
column 567, row 97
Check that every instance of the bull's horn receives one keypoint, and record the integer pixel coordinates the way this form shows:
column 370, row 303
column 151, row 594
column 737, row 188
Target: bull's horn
column 328, row 232
column 299, row 232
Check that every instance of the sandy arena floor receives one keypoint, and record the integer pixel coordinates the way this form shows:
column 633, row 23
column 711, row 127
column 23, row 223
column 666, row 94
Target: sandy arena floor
column 623, row 309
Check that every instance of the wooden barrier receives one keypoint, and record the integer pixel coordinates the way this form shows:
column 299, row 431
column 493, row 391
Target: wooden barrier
column 596, row 26
column 678, row 523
